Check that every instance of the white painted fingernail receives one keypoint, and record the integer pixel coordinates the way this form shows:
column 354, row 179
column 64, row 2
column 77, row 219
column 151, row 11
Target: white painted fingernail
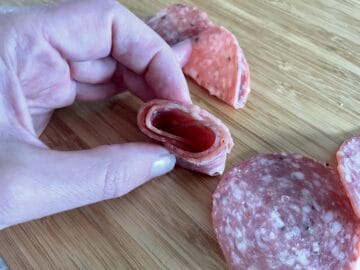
column 163, row 165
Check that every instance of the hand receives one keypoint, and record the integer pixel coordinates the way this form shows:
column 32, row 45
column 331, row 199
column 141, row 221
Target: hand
column 51, row 55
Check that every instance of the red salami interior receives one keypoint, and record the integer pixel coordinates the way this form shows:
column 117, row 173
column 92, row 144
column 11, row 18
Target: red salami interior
column 198, row 137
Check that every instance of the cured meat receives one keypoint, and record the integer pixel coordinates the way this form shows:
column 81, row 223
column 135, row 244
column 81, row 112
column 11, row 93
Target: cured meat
column 348, row 158
column 278, row 211
column 198, row 139
column 179, row 22
column 218, row 64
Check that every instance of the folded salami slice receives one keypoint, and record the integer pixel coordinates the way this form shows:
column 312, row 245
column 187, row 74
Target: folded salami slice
column 218, row 64
column 199, row 140
column 348, row 158
column 279, row 211
column 178, row 22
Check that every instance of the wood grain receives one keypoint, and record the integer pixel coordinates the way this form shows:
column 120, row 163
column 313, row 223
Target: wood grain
column 304, row 58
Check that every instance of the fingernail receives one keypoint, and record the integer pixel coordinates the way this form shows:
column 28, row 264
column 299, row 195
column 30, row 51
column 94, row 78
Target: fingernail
column 163, row 165
column 3, row 265
column 182, row 51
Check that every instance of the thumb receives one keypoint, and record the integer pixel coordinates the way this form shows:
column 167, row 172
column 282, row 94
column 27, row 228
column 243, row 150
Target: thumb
column 53, row 181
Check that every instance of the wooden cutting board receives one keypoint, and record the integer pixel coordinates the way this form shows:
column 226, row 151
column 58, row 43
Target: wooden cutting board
column 305, row 66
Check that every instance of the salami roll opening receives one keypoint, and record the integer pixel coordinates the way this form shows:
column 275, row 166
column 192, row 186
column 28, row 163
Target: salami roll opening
column 199, row 140
column 190, row 135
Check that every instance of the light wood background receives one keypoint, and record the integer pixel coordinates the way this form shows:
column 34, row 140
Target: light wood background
column 305, row 66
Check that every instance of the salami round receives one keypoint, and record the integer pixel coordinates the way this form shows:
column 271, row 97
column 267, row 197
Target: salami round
column 279, row 211
column 348, row 158
column 178, row 22
column 199, row 140
column 218, row 64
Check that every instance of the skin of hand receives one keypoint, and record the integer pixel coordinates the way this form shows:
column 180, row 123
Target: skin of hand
column 51, row 55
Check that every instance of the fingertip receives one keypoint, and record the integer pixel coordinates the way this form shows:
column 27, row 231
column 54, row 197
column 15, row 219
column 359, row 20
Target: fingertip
column 187, row 100
column 184, row 96
column 182, row 51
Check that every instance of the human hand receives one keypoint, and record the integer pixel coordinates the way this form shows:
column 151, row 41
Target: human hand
column 51, row 55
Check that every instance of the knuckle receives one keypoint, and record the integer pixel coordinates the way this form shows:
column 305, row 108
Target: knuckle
column 76, row 69
column 115, row 180
column 111, row 7
column 67, row 96
column 112, row 3
column 118, row 172
column 58, row 96
column 116, row 176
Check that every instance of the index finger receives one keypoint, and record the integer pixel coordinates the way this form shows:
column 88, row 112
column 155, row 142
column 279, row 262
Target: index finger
column 87, row 30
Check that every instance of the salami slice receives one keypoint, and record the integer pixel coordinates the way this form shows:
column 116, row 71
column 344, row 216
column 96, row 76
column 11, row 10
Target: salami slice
column 348, row 158
column 198, row 139
column 279, row 211
column 178, row 22
column 218, row 64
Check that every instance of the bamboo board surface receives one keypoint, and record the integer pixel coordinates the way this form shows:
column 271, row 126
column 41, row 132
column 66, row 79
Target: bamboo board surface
column 305, row 65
